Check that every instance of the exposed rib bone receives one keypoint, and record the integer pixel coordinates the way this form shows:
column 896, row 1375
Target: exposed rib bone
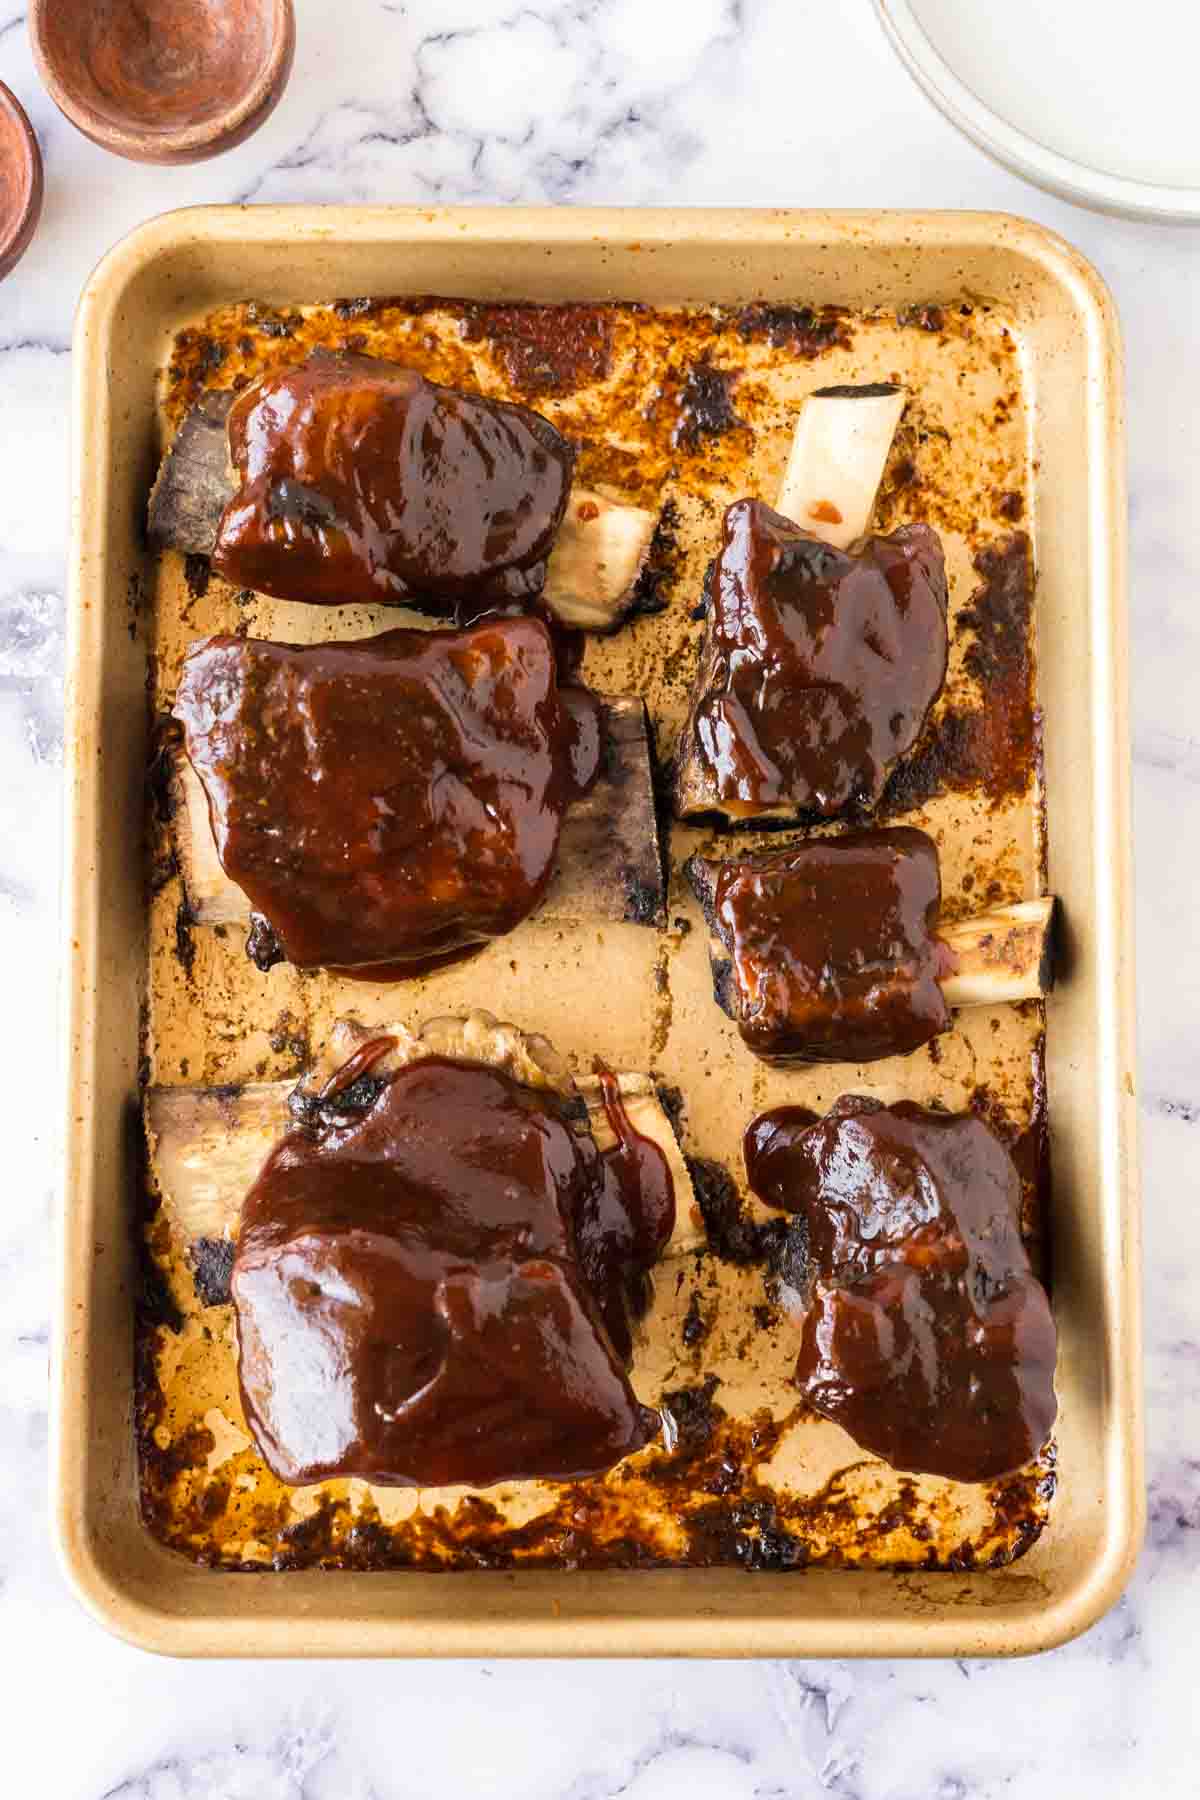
column 1003, row 955
column 996, row 957
column 207, row 1145
column 839, row 450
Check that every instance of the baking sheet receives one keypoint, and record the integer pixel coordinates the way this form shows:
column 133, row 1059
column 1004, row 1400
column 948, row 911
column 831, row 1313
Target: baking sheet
column 690, row 407
column 178, row 268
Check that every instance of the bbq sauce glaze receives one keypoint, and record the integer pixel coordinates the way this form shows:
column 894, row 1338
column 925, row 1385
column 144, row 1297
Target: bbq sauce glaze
column 362, row 481
column 927, row 1337
column 389, row 804
column 823, row 663
column 440, row 1286
column 832, row 957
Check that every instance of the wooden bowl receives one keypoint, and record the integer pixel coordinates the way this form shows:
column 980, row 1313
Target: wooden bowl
column 20, row 181
column 165, row 81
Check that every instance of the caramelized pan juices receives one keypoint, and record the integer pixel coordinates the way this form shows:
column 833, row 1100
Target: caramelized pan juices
column 683, row 410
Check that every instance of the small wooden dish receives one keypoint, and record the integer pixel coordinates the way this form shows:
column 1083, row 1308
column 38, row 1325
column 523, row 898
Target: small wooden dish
column 164, row 81
column 20, row 181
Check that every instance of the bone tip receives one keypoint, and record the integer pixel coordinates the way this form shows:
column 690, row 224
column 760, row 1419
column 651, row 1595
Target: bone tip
column 867, row 390
column 1047, row 962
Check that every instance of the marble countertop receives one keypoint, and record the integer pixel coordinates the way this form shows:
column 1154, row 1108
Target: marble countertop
column 743, row 102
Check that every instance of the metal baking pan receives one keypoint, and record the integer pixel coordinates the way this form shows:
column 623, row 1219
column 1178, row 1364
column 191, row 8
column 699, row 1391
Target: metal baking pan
column 1062, row 340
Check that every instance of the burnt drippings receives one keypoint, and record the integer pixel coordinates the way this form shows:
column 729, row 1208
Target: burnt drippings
column 161, row 796
column 724, row 1513
column 925, row 317
column 994, row 745
column 358, row 308
column 778, row 1246
column 643, row 899
column 901, row 473
column 705, row 405
column 204, row 351
column 1027, row 1139
column 695, row 1327
column 212, row 1266
column 163, row 870
column 273, row 324
column 135, row 598
column 323, row 1110
column 289, row 1037
column 674, row 1103
column 560, row 358
column 197, row 573
column 185, row 942
column 1031, row 1151
column 731, row 1233
column 806, row 331
column 706, row 1472
column 545, row 349
column 659, row 569
column 998, row 615
column 263, row 947
column 154, row 1303
column 625, row 1520
column 162, row 1466
column 161, row 858
column 690, row 1418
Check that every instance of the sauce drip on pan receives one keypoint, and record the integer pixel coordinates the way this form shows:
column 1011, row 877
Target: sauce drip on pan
column 391, row 804
column 927, row 1336
column 639, row 1169
column 440, row 1287
column 629, row 1215
column 362, row 481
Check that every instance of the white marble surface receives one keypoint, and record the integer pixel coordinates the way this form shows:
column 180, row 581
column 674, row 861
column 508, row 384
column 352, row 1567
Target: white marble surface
column 736, row 101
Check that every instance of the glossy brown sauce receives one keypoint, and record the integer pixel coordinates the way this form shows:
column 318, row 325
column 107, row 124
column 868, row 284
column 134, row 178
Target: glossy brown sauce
column 393, row 803
column 632, row 1217
column 439, row 1286
column 832, row 953
column 362, row 481
column 927, row 1337
column 824, row 663
column 712, row 1500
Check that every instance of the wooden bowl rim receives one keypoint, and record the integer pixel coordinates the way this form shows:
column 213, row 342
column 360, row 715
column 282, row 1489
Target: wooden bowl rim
column 16, row 235
column 190, row 142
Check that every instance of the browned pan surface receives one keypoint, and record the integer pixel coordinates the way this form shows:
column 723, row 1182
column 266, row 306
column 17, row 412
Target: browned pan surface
column 1039, row 417
column 694, row 407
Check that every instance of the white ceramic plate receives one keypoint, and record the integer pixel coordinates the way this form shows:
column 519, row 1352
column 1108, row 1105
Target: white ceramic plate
column 1094, row 99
